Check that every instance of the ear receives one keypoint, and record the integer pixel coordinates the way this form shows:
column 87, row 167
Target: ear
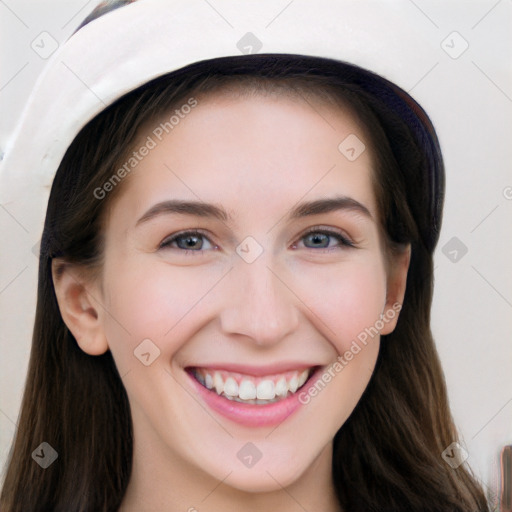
column 78, row 299
column 396, row 283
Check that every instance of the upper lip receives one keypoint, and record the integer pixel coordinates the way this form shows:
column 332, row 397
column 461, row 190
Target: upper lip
column 256, row 371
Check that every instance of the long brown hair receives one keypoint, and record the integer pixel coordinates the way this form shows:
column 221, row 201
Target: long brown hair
column 387, row 455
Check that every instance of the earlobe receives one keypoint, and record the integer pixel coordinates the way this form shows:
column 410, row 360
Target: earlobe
column 396, row 285
column 79, row 308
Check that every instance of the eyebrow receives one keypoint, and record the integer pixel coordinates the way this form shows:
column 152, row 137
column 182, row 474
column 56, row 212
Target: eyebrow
column 304, row 209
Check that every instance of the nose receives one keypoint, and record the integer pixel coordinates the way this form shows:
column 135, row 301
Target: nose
column 259, row 306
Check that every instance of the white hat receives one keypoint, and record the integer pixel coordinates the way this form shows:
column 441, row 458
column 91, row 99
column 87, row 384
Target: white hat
column 140, row 41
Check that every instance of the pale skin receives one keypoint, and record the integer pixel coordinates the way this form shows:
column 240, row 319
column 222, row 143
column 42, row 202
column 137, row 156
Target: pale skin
column 257, row 158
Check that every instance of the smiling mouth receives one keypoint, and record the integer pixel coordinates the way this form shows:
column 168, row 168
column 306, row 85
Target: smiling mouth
column 252, row 390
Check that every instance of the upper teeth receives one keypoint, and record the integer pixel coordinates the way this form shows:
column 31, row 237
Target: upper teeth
column 242, row 387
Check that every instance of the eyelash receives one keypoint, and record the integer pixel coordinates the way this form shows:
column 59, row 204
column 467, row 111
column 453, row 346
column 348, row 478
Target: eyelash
column 344, row 241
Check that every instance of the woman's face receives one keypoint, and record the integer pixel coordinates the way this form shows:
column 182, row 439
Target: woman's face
column 242, row 257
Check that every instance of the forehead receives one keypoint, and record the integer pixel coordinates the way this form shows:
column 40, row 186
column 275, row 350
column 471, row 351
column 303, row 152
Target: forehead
column 256, row 153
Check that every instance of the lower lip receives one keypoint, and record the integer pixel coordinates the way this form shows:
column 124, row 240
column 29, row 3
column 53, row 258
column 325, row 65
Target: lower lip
column 253, row 415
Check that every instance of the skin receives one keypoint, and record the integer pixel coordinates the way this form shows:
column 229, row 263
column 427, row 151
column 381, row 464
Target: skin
column 257, row 157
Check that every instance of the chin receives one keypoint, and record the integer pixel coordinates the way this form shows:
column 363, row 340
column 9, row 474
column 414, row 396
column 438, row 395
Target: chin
column 263, row 480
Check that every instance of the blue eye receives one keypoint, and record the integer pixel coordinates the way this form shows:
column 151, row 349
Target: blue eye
column 188, row 241
column 323, row 238
column 197, row 242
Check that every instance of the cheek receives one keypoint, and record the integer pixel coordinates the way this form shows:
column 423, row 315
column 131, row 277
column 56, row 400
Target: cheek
column 347, row 300
column 348, row 303
column 149, row 302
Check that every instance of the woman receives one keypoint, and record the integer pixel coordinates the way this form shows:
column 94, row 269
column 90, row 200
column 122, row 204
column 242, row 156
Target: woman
column 234, row 292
